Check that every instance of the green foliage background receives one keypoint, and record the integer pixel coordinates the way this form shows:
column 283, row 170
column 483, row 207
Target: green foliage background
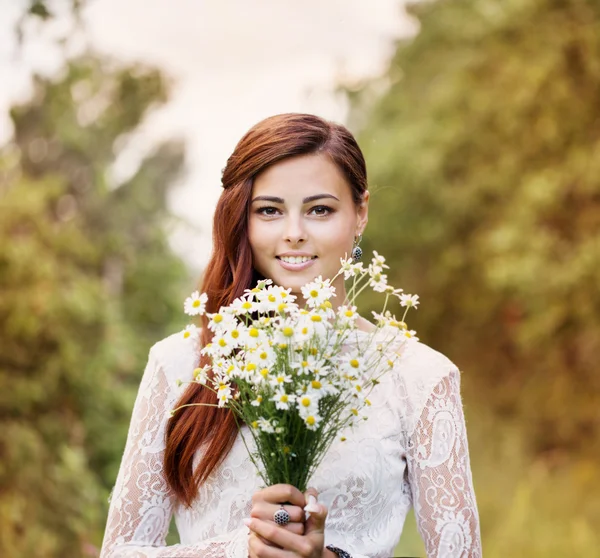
column 87, row 284
column 484, row 157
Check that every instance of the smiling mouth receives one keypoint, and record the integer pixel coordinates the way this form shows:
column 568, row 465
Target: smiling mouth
column 296, row 259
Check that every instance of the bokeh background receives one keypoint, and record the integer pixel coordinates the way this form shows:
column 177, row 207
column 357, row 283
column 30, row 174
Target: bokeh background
column 480, row 122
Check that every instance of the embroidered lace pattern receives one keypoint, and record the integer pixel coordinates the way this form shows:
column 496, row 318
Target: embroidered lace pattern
column 412, row 451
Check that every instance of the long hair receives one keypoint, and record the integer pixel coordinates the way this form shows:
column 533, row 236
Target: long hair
column 230, row 271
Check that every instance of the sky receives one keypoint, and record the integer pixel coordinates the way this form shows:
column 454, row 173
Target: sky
column 232, row 63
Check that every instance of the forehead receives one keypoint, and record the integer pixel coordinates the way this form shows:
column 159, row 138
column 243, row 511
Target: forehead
column 302, row 175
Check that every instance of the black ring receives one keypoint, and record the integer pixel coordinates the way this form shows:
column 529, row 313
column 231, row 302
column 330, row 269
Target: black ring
column 281, row 517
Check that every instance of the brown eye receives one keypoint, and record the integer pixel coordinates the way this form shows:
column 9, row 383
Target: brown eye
column 322, row 210
column 267, row 210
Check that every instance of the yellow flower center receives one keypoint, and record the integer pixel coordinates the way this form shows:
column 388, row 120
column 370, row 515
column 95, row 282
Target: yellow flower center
column 196, row 303
column 310, row 420
column 354, row 363
column 284, row 398
column 288, row 331
column 314, row 293
column 217, row 318
column 316, row 384
column 253, row 332
column 316, row 318
column 264, row 372
column 305, row 401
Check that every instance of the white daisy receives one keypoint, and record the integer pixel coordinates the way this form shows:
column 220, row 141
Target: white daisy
column 224, row 394
column 242, row 306
column 265, row 425
column 279, row 379
column 312, row 421
column 409, row 300
column 307, row 403
column 318, row 291
column 191, row 332
column 195, row 305
column 283, row 400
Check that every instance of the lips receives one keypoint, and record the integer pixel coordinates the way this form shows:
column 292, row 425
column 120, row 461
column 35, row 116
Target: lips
column 296, row 266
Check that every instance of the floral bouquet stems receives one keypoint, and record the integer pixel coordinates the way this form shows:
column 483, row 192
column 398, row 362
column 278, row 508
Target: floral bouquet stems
column 293, row 375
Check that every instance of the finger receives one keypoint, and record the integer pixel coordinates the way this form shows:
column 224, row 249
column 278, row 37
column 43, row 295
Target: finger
column 311, row 496
column 315, row 524
column 261, row 548
column 267, row 542
column 257, row 549
column 266, row 511
column 296, row 528
column 281, row 537
column 279, row 493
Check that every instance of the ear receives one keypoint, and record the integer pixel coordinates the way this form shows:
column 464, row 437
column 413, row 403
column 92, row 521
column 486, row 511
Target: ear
column 362, row 213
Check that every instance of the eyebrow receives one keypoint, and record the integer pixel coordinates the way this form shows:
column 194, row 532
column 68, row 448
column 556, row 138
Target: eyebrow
column 309, row 199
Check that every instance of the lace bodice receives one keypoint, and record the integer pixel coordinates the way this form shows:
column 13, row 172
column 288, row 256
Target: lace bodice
column 412, row 451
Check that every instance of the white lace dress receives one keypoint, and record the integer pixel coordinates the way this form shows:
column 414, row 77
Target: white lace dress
column 412, row 451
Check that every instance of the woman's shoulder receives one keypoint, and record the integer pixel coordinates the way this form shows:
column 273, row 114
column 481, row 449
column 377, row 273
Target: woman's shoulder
column 177, row 356
column 421, row 360
column 415, row 359
column 418, row 371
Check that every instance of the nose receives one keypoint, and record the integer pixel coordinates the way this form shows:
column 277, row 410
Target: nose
column 294, row 232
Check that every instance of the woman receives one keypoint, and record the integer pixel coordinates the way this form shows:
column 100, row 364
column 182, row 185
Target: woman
column 295, row 201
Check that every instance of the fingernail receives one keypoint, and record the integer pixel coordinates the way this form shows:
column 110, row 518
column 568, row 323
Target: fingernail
column 247, row 521
column 312, row 505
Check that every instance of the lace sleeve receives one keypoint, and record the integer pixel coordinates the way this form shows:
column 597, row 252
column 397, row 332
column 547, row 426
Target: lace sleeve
column 440, row 477
column 142, row 504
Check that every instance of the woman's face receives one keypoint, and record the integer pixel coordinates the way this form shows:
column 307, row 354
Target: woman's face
column 302, row 207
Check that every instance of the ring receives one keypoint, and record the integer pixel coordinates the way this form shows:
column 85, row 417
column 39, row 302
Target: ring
column 281, row 517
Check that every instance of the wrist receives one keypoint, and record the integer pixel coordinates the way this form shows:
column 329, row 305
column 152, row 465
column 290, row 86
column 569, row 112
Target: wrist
column 328, row 553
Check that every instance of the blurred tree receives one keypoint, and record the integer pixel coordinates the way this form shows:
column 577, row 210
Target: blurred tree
column 484, row 157
column 87, row 284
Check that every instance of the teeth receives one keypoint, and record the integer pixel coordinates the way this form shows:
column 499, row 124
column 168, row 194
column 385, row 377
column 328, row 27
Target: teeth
column 295, row 259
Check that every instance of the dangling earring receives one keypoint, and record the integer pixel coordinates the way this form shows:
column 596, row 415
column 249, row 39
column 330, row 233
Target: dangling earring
column 356, row 250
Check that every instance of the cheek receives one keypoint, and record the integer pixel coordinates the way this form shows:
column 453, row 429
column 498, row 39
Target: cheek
column 258, row 239
column 338, row 237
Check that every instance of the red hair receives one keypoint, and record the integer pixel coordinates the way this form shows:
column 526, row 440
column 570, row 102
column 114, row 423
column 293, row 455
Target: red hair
column 230, row 271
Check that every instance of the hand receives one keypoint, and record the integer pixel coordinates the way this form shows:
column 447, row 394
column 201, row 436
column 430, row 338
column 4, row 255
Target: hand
column 266, row 536
column 267, row 501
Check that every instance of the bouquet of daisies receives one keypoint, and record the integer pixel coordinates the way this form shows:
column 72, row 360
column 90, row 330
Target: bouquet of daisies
column 290, row 373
